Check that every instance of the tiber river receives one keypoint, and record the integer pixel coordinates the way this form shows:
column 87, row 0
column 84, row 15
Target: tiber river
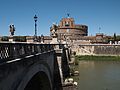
column 99, row 75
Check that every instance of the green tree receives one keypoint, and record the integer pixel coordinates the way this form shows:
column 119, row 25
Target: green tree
column 4, row 38
column 118, row 38
column 20, row 38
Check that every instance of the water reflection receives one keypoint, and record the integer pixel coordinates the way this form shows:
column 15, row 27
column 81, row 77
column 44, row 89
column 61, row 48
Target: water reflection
column 87, row 64
column 99, row 75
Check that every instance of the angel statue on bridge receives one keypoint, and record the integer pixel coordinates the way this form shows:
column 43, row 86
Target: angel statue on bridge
column 54, row 30
column 12, row 30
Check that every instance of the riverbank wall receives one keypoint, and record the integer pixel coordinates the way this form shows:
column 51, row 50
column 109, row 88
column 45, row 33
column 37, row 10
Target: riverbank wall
column 99, row 50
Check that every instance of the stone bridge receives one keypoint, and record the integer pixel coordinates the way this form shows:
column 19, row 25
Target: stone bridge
column 28, row 66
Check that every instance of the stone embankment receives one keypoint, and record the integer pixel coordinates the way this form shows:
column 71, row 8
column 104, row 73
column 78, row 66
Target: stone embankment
column 70, row 84
column 99, row 50
column 70, row 88
column 108, row 50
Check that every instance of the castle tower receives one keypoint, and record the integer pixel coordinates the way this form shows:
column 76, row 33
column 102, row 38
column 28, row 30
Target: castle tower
column 67, row 29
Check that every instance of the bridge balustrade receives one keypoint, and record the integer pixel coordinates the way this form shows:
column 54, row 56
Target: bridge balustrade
column 9, row 51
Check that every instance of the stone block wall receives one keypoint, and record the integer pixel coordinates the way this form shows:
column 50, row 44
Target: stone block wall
column 98, row 50
column 107, row 50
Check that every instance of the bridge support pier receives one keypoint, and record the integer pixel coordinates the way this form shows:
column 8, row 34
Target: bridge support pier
column 63, row 59
column 59, row 60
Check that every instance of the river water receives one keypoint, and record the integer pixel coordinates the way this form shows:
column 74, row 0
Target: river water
column 99, row 75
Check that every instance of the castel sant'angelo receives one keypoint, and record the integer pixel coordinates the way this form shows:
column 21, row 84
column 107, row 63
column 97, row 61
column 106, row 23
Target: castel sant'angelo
column 76, row 33
column 67, row 28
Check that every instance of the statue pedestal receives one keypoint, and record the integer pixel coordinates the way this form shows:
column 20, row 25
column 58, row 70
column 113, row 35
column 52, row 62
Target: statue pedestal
column 11, row 39
column 54, row 41
column 42, row 42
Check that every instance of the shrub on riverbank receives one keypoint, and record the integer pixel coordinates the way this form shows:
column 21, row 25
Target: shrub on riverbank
column 95, row 58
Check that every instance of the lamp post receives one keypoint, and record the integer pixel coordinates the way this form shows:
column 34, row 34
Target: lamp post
column 35, row 36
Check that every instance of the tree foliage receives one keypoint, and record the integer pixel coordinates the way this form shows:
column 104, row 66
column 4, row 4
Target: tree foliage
column 20, row 38
column 15, row 38
column 4, row 38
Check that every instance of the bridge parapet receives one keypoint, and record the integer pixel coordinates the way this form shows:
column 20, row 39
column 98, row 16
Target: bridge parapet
column 9, row 51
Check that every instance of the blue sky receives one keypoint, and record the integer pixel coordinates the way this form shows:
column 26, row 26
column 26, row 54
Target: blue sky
column 94, row 13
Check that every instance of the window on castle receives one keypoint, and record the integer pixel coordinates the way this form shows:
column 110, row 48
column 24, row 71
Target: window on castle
column 67, row 24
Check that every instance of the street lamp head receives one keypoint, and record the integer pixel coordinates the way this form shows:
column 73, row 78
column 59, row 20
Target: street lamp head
column 35, row 18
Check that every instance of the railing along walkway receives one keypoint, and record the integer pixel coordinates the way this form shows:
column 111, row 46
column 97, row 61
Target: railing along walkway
column 10, row 51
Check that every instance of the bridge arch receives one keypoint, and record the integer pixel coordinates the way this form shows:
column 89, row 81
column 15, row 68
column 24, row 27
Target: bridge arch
column 39, row 81
column 38, row 77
